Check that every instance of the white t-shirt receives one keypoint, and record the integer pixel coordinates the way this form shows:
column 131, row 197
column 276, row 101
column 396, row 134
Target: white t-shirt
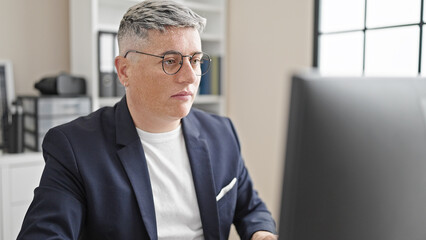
column 175, row 201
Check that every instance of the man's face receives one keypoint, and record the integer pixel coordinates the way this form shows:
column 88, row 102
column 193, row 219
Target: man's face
column 150, row 90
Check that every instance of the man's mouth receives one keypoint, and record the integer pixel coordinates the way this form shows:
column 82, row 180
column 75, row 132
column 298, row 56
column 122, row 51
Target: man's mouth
column 183, row 95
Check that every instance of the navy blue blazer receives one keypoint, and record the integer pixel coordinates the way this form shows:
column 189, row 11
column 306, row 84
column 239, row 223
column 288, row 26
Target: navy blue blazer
column 95, row 184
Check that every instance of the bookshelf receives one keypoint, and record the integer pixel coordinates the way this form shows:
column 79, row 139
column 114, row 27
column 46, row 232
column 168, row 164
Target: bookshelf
column 88, row 18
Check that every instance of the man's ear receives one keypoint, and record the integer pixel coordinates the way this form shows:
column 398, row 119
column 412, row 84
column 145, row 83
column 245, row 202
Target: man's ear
column 122, row 66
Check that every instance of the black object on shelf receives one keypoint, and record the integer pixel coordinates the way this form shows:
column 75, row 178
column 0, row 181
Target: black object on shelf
column 63, row 84
column 109, row 84
column 106, row 84
column 15, row 142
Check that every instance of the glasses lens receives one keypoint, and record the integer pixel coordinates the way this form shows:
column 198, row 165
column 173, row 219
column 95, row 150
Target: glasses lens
column 172, row 63
column 201, row 63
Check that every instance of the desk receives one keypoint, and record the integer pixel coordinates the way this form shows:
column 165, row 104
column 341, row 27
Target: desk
column 19, row 176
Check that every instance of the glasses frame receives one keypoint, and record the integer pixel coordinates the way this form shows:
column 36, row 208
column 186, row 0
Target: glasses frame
column 173, row 52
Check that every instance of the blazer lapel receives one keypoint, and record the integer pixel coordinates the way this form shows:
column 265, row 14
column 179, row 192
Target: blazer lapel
column 133, row 159
column 203, row 177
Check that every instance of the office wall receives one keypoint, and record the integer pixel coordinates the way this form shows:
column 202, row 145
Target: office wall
column 267, row 41
column 34, row 35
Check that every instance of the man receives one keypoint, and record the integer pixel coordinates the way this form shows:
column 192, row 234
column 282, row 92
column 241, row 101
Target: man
column 149, row 167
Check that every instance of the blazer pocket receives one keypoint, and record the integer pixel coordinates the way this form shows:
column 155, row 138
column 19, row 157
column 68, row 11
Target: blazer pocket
column 226, row 189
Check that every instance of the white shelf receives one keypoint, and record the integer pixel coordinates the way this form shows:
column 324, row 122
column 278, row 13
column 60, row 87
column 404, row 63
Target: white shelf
column 211, row 37
column 108, row 101
column 208, row 99
column 88, row 17
column 205, row 7
column 108, row 27
column 119, row 3
column 19, row 176
column 20, row 158
column 208, row 6
column 199, row 99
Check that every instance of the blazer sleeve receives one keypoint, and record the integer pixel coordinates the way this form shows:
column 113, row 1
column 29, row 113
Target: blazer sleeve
column 251, row 214
column 57, row 210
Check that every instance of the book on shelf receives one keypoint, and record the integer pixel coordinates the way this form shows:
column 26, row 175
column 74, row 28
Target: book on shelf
column 106, row 84
column 204, row 87
column 216, row 72
column 210, row 82
column 109, row 84
column 4, row 119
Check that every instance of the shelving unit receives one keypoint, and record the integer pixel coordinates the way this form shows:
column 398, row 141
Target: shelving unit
column 88, row 17
column 19, row 176
column 20, row 173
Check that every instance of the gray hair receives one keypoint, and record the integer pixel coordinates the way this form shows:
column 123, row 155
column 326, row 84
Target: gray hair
column 157, row 15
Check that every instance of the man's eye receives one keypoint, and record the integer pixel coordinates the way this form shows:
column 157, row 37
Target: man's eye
column 196, row 61
column 169, row 61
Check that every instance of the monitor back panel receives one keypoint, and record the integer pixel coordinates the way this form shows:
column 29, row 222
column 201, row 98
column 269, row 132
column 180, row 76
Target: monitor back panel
column 356, row 160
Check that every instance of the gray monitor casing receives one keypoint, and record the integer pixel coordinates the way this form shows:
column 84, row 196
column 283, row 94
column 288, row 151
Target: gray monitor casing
column 355, row 164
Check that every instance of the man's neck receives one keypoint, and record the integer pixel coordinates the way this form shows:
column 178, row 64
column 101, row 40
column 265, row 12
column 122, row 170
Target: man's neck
column 158, row 127
column 153, row 124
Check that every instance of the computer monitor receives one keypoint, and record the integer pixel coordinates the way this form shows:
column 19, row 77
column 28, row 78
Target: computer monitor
column 355, row 163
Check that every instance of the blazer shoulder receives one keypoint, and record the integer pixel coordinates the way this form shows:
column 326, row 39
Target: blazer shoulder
column 203, row 118
column 95, row 129
column 211, row 125
column 103, row 117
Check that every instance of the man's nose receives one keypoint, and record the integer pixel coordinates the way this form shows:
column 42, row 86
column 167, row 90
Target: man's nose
column 186, row 73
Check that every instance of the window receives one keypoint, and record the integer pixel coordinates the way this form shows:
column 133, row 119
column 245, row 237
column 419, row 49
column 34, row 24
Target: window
column 369, row 37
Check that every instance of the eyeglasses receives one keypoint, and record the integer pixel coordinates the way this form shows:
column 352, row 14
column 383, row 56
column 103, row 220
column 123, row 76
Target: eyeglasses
column 173, row 60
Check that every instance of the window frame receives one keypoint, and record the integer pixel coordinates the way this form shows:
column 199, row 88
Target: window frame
column 318, row 34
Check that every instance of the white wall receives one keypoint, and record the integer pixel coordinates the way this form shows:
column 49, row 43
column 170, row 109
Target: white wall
column 267, row 41
column 34, row 35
